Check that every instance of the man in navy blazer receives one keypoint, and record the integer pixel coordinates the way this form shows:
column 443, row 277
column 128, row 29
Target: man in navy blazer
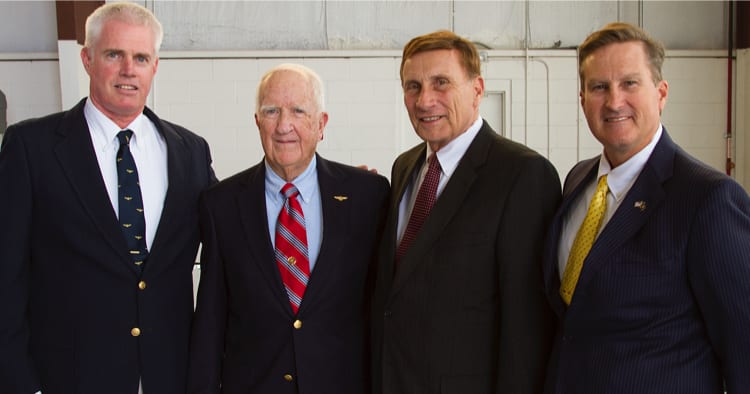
column 77, row 314
column 661, row 302
column 250, row 335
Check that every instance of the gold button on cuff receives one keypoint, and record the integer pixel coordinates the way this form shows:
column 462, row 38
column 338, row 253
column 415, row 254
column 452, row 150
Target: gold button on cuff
column 142, row 285
column 135, row 332
column 288, row 377
column 298, row 324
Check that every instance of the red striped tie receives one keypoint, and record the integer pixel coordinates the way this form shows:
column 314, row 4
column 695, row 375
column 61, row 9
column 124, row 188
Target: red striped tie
column 291, row 247
column 422, row 205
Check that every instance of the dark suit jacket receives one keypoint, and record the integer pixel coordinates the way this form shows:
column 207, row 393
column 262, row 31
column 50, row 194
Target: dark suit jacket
column 464, row 311
column 244, row 336
column 70, row 293
column 662, row 303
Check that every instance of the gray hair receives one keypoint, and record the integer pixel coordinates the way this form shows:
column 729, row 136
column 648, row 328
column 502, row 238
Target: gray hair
column 130, row 13
column 312, row 77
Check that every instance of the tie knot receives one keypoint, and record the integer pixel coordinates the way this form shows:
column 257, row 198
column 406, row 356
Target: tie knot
column 433, row 162
column 124, row 136
column 289, row 190
column 602, row 187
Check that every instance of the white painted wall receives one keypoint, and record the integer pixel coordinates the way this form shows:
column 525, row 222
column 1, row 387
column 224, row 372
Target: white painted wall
column 30, row 26
column 742, row 117
column 214, row 95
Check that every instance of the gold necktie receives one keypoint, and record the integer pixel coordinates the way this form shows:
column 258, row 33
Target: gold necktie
column 584, row 239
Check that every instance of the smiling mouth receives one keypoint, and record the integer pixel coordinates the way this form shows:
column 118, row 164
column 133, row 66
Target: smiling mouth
column 616, row 119
column 429, row 118
column 126, row 87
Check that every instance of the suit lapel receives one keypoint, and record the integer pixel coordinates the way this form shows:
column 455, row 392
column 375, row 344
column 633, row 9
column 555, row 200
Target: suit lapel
column 175, row 205
column 638, row 205
column 576, row 182
column 401, row 175
column 336, row 228
column 251, row 206
column 446, row 206
column 75, row 152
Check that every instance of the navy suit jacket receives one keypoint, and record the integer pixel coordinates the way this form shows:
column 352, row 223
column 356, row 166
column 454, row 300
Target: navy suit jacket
column 70, row 292
column 463, row 311
column 663, row 301
column 246, row 338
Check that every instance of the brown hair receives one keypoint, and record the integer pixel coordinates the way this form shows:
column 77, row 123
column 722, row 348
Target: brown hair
column 444, row 39
column 619, row 32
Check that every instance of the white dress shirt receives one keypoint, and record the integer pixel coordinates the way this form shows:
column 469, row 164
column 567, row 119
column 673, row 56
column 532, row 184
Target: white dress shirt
column 619, row 182
column 449, row 156
column 149, row 151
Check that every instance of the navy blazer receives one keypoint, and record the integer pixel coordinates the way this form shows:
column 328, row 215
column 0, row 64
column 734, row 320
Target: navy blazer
column 662, row 303
column 463, row 311
column 246, row 338
column 70, row 292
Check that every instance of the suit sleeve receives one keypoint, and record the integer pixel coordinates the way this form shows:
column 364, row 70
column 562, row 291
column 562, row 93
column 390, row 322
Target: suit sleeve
column 526, row 320
column 17, row 371
column 718, row 260
column 209, row 320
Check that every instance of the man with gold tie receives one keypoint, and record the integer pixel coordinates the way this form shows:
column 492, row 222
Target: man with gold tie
column 647, row 259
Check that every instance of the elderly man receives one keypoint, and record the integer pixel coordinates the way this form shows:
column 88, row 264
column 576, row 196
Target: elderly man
column 282, row 300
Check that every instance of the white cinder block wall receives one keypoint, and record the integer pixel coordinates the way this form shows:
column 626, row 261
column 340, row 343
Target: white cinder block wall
column 31, row 87
column 532, row 98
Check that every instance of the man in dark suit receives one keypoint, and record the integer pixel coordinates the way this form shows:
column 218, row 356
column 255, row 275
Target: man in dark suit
column 79, row 314
column 659, row 300
column 459, row 305
column 254, row 330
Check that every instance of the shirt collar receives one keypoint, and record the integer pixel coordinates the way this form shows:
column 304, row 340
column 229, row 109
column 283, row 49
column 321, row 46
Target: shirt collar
column 106, row 129
column 306, row 182
column 451, row 154
column 623, row 176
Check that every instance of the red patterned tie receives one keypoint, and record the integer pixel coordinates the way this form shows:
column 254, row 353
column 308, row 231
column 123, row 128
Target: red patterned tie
column 291, row 247
column 422, row 205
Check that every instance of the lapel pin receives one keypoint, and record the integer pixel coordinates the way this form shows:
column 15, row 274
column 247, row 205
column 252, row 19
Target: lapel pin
column 340, row 198
column 640, row 205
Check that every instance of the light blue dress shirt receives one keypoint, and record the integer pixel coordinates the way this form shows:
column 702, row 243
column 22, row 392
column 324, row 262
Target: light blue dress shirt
column 309, row 199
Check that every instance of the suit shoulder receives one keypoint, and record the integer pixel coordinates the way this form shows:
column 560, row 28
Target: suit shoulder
column 502, row 146
column 695, row 175
column 508, row 153
column 184, row 132
column 355, row 173
column 237, row 180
